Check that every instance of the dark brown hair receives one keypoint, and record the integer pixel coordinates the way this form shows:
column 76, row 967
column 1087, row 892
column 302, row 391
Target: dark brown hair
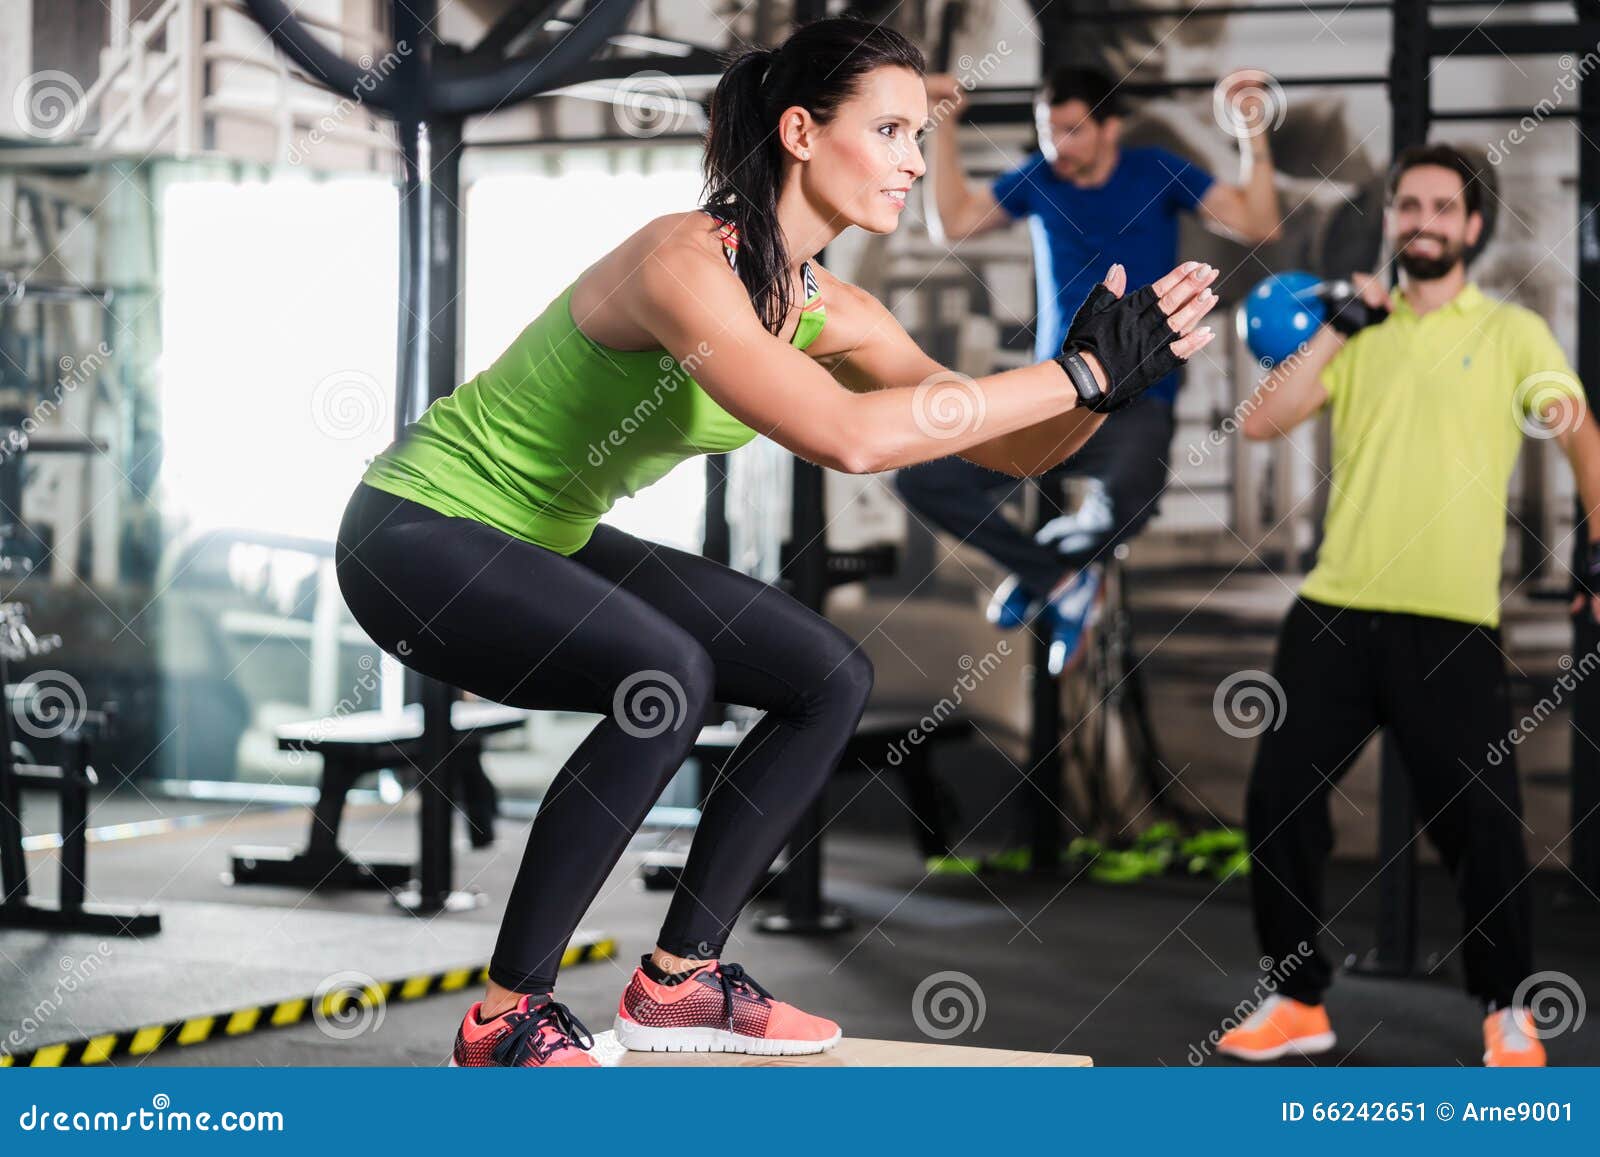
column 1478, row 185
column 818, row 68
column 1093, row 87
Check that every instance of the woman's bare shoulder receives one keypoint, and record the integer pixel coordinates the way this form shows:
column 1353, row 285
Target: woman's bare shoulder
column 838, row 289
column 675, row 237
column 852, row 312
column 667, row 251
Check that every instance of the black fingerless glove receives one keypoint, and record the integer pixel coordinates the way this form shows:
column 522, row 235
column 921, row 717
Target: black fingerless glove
column 1347, row 312
column 1132, row 340
column 1587, row 580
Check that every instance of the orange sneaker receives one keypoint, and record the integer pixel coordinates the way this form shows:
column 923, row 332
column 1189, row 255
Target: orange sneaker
column 719, row 1008
column 543, row 1034
column 1509, row 1040
column 1280, row 1027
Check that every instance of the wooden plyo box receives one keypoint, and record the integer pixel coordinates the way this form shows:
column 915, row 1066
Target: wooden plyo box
column 852, row 1052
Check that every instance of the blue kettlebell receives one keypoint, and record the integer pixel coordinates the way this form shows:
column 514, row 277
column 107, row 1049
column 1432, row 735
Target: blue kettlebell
column 1281, row 313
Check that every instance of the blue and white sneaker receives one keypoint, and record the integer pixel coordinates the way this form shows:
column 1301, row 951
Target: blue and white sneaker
column 1086, row 527
column 1072, row 610
column 1013, row 604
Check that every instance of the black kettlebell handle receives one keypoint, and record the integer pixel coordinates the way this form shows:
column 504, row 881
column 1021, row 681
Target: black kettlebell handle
column 1341, row 294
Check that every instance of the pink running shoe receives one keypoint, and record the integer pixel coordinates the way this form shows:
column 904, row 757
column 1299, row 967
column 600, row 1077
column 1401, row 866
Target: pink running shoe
column 542, row 1034
column 718, row 1009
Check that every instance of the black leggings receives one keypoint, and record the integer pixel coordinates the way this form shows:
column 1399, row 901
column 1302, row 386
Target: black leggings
column 1440, row 689
column 646, row 636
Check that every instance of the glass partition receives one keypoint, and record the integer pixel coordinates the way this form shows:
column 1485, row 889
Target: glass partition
column 238, row 380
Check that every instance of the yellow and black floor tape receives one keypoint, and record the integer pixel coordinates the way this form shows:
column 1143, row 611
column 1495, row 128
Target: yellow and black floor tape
column 334, row 1006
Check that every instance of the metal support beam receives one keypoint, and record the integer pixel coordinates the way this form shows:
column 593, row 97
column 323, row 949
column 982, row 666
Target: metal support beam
column 1585, row 775
column 1512, row 39
column 1410, row 89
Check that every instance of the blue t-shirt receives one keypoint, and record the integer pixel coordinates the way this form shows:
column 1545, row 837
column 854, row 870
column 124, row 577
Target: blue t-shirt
column 1080, row 233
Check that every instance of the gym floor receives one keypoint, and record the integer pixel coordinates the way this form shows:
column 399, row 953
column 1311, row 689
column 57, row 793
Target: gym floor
column 1134, row 975
column 1129, row 975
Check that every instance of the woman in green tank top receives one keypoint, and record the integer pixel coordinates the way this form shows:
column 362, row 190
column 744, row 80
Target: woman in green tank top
column 474, row 546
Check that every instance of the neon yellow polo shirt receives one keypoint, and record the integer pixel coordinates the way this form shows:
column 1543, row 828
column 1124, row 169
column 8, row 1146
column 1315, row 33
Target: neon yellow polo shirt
column 1428, row 414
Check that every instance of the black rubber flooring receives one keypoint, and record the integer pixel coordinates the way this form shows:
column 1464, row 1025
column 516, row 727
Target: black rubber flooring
column 1134, row 975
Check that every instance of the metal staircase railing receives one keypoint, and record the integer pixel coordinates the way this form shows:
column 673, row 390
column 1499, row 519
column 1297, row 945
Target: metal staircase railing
column 163, row 86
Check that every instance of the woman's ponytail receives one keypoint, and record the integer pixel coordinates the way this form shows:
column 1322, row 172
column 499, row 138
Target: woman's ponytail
column 742, row 170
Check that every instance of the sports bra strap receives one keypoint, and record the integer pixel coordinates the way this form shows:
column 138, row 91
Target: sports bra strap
column 729, row 235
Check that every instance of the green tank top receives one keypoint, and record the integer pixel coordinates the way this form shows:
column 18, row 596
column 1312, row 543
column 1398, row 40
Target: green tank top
column 544, row 442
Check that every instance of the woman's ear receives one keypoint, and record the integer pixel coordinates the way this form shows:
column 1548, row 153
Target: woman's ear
column 796, row 132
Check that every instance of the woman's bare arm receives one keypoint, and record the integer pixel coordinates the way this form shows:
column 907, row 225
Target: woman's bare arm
column 883, row 354
column 701, row 314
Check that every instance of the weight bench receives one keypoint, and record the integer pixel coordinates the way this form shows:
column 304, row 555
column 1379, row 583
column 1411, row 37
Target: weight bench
column 353, row 746
column 71, row 781
column 881, row 732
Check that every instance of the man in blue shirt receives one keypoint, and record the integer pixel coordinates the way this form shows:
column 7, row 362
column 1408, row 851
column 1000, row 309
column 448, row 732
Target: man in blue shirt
column 1090, row 203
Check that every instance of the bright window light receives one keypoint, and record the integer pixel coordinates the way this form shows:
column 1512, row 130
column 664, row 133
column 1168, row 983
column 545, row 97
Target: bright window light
column 279, row 330
column 528, row 238
column 278, row 349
